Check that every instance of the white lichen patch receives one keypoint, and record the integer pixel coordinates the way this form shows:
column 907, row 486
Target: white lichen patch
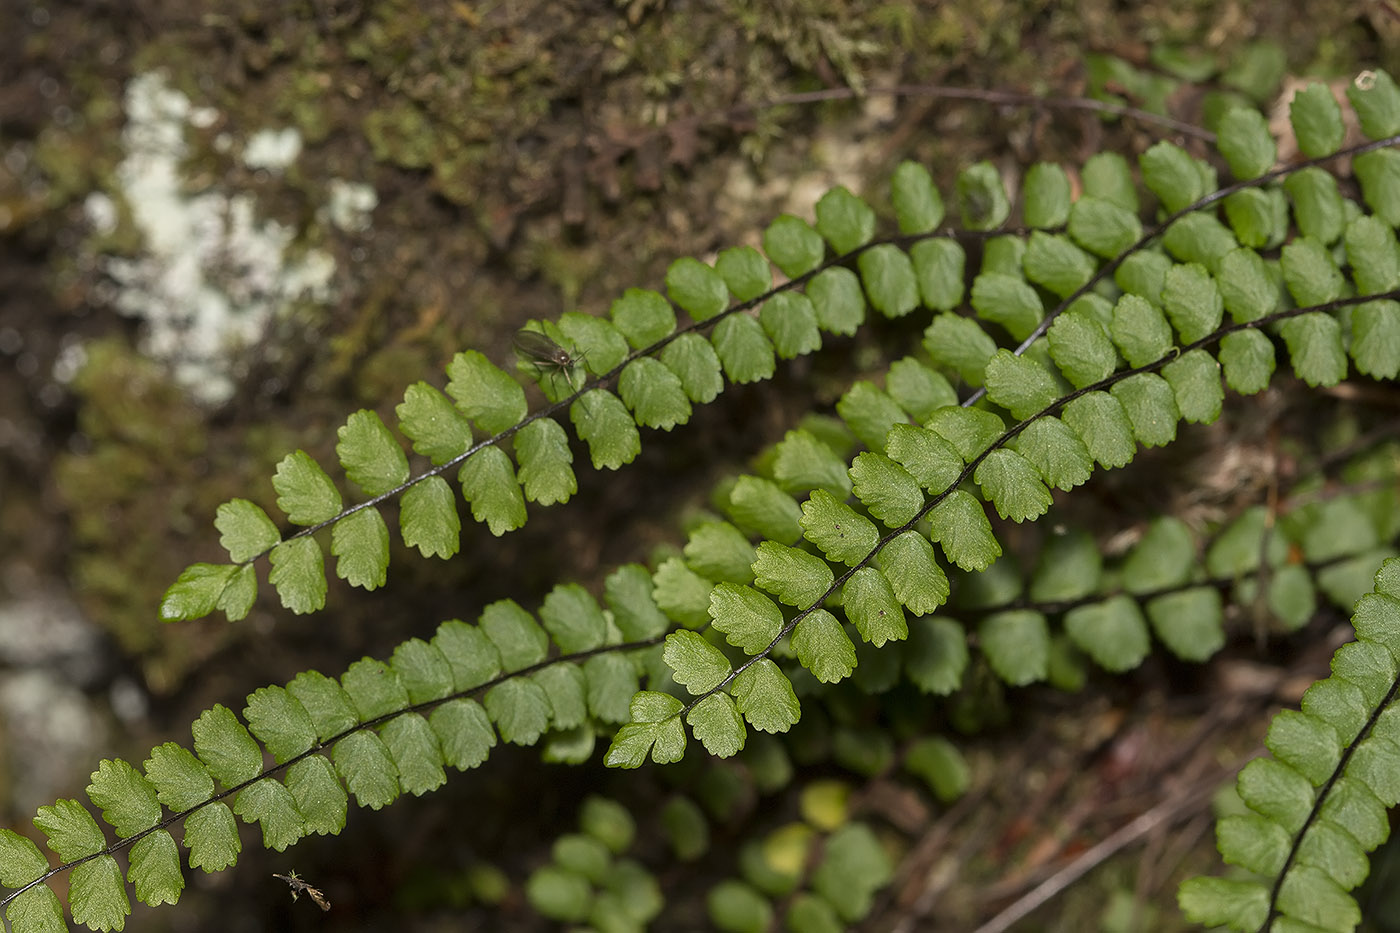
column 213, row 273
column 350, row 205
column 59, row 730
column 272, row 150
column 50, row 654
column 101, row 213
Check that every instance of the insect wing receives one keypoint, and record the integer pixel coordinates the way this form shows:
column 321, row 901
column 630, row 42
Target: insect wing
column 541, row 349
column 544, row 353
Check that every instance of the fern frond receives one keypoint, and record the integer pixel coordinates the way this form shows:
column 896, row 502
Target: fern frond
column 1319, row 803
column 382, row 729
column 1171, row 377
column 656, row 370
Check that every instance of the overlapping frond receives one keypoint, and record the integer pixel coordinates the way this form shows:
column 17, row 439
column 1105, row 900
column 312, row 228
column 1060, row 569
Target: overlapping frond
column 1093, row 379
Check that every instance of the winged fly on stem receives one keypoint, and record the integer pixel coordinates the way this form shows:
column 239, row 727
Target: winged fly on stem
column 545, row 354
column 299, row 886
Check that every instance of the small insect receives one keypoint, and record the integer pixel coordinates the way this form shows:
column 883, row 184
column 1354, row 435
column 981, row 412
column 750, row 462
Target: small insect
column 545, row 354
column 301, row 887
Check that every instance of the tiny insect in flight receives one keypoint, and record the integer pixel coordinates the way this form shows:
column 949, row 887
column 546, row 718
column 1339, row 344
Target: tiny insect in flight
column 299, row 886
column 546, row 354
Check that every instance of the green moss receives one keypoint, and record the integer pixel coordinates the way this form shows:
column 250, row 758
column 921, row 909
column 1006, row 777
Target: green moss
column 303, row 100
column 402, row 135
column 67, row 161
column 139, row 478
